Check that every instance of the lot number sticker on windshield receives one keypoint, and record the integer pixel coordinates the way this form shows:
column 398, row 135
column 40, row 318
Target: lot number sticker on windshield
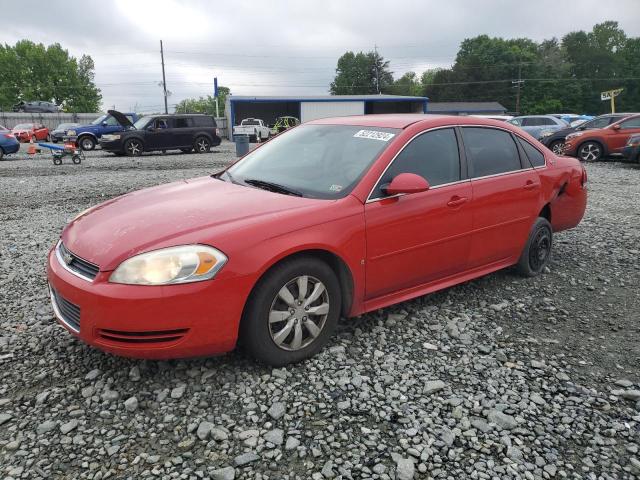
column 374, row 135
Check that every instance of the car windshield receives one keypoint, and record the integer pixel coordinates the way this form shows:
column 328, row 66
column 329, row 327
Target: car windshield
column 142, row 123
column 23, row 126
column 99, row 120
column 316, row 161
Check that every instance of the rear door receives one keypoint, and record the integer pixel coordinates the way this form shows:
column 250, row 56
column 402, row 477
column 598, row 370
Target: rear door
column 183, row 132
column 506, row 195
column 415, row 239
column 617, row 138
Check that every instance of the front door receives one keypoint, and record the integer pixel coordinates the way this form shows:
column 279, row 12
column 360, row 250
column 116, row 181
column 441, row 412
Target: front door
column 418, row 238
column 617, row 138
column 158, row 136
column 506, row 195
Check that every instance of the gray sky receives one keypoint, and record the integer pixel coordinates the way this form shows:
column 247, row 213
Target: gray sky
column 281, row 47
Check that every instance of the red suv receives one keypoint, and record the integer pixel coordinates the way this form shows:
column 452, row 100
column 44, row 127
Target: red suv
column 25, row 132
column 592, row 145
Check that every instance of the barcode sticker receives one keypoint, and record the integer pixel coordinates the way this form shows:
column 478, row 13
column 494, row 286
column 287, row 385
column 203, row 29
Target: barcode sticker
column 375, row 135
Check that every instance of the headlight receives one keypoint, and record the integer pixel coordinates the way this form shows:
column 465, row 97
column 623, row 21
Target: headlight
column 185, row 264
column 545, row 133
column 110, row 138
column 71, row 133
column 574, row 135
column 633, row 141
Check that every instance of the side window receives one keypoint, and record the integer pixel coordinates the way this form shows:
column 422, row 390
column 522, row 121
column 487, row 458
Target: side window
column 203, row 121
column 433, row 155
column 599, row 122
column 162, row 123
column 182, row 122
column 633, row 123
column 490, row 151
column 548, row 121
column 528, row 122
column 535, row 156
column 111, row 121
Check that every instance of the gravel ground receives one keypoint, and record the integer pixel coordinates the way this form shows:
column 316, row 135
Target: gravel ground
column 499, row 378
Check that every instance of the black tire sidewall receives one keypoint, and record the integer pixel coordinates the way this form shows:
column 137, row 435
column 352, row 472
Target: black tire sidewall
column 129, row 142
column 524, row 264
column 81, row 141
column 254, row 328
column 590, row 143
column 198, row 140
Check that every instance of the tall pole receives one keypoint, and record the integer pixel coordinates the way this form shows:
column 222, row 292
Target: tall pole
column 164, row 81
column 375, row 47
column 518, row 83
column 613, row 104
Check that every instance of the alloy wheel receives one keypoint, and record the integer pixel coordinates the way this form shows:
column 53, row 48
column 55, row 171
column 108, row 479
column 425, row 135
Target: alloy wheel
column 133, row 148
column 87, row 144
column 590, row 152
column 202, row 145
column 558, row 148
column 298, row 313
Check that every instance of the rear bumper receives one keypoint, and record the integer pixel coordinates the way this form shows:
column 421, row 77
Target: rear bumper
column 164, row 322
column 10, row 147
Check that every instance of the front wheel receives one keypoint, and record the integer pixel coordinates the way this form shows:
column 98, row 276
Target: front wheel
column 537, row 251
column 87, row 143
column 557, row 147
column 133, row 148
column 291, row 312
column 590, row 152
column 202, row 145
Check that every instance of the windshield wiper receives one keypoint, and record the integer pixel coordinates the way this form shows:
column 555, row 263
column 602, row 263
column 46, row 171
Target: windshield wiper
column 273, row 187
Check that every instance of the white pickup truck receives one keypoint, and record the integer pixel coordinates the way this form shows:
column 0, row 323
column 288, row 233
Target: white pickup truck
column 254, row 127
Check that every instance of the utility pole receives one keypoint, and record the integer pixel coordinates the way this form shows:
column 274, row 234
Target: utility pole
column 164, row 81
column 518, row 84
column 375, row 48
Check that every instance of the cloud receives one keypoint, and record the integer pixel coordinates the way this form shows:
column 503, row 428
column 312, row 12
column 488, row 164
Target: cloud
column 280, row 46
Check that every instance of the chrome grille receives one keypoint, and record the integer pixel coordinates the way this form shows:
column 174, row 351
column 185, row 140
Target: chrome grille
column 75, row 264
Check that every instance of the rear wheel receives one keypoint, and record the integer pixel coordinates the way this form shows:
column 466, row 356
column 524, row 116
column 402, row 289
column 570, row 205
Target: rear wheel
column 537, row 251
column 590, row 152
column 292, row 312
column 86, row 143
column 133, row 148
column 76, row 159
column 202, row 145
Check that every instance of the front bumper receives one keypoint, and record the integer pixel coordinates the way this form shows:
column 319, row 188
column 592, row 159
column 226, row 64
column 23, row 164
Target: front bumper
column 631, row 153
column 111, row 145
column 571, row 147
column 153, row 322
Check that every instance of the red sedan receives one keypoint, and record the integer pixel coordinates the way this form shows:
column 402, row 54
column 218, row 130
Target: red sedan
column 336, row 217
column 26, row 132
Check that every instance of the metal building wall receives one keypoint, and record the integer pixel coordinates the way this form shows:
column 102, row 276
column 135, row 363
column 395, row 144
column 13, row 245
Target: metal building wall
column 314, row 110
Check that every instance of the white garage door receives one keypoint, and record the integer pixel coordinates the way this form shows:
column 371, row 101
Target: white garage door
column 314, row 110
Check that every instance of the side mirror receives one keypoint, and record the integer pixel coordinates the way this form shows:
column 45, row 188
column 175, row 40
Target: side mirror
column 104, row 124
column 616, row 127
column 406, row 183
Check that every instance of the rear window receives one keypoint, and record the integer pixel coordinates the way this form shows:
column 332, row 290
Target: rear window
column 203, row 121
column 250, row 122
column 535, row 156
column 491, row 151
column 182, row 122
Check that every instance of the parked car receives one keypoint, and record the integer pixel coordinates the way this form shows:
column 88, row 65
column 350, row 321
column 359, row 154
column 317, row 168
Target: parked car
column 572, row 118
column 36, row 107
column 503, row 118
column 184, row 132
column 592, row 145
column 25, row 132
column 8, row 142
column 337, row 217
column 58, row 133
column 284, row 123
column 555, row 140
column 631, row 151
column 255, row 128
column 538, row 125
column 89, row 135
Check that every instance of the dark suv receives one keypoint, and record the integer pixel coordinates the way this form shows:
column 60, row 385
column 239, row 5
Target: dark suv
column 184, row 132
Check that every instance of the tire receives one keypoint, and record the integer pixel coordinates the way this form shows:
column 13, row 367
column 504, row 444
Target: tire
column 76, row 159
column 590, row 152
column 133, row 148
column 557, row 147
column 202, row 145
column 537, row 250
column 186, row 150
column 48, row 137
column 1, row 153
column 86, row 143
column 296, row 338
column 57, row 161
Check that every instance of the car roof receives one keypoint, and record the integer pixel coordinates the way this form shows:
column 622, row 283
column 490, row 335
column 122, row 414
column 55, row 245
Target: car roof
column 404, row 120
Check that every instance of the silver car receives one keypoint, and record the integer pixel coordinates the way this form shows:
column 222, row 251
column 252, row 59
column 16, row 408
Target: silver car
column 539, row 126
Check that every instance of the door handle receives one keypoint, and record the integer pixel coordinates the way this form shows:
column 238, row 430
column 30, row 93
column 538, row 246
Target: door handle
column 456, row 201
column 530, row 185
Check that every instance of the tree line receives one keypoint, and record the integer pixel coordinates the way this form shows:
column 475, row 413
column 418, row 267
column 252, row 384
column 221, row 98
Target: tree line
column 30, row 71
column 565, row 75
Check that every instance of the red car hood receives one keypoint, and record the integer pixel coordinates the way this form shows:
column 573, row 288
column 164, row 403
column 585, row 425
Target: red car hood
column 200, row 210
